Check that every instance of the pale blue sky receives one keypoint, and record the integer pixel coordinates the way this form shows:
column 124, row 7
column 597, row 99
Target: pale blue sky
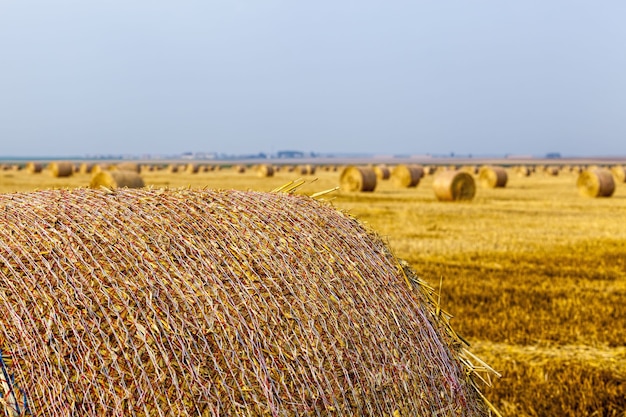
column 382, row 77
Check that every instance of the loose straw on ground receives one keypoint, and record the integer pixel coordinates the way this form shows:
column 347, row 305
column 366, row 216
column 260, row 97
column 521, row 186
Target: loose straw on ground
column 216, row 303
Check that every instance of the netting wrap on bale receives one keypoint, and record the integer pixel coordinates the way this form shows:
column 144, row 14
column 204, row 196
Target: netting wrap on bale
column 215, row 303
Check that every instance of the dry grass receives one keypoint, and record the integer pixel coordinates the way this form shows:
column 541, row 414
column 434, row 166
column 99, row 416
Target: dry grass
column 534, row 274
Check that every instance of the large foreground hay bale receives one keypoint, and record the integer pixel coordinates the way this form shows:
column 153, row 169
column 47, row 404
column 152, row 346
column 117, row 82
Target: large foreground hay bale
column 492, row 176
column 216, row 303
column 116, row 179
column 355, row 178
column 454, row 186
column 60, row 169
column 596, row 182
column 406, row 176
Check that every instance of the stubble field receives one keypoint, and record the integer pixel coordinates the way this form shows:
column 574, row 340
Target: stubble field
column 533, row 273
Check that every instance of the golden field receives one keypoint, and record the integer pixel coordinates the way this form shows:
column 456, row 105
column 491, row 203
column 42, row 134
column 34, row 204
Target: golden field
column 534, row 273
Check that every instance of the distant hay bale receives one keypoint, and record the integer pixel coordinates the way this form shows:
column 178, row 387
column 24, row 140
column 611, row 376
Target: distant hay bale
column 552, row 170
column 307, row 169
column 596, row 183
column 192, row 168
column 60, row 169
column 619, row 173
column 99, row 168
column 161, row 302
column 265, row 171
column 355, row 178
column 147, row 168
column 470, row 169
column 127, row 166
column 86, row 167
column 34, row 167
column 522, row 171
column 116, row 179
column 173, row 168
column 454, row 186
column 239, row 169
column 430, row 169
column 382, row 172
column 406, row 176
column 492, row 176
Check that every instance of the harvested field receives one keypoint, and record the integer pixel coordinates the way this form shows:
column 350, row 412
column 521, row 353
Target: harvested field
column 533, row 273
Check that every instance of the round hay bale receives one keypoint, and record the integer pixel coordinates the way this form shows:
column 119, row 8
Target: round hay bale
column 61, row 169
column 116, row 179
column 406, row 176
column 596, row 183
column 99, row 168
column 192, row 168
column 216, row 303
column 34, row 167
column 470, row 169
column 454, row 186
column 86, row 168
column 552, row 170
column 355, row 178
column 382, row 172
column 265, row 170
column 619, row 173
column 492, row 176
column 308, row 169
column 173, row 168
column 127, row 166
column 522, row 171
column 239, row 169
column 430, row 170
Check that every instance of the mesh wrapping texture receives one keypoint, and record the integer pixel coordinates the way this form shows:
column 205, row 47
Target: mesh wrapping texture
column 216, row 303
